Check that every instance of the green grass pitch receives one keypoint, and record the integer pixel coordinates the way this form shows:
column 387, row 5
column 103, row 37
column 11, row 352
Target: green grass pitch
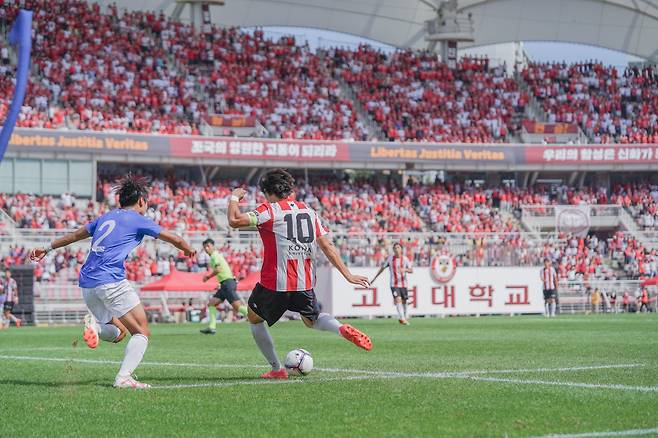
column 488, row 376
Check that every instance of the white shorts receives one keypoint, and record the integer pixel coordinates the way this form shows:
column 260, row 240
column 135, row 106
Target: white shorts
column 112, row 300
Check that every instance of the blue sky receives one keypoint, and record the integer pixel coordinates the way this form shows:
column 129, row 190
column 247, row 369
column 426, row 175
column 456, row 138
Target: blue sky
column 539, row 51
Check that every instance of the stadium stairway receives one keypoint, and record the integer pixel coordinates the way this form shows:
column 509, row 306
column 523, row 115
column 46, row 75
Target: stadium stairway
column 629, row 223
column 374, row 129
column 533, row 110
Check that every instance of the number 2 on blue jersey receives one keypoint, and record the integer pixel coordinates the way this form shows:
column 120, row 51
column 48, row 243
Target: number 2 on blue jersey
column 109, row 226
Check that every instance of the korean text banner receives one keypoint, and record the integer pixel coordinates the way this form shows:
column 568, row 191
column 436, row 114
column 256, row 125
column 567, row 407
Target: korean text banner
column 471, row 291
column 594, row 154
column 259, row 149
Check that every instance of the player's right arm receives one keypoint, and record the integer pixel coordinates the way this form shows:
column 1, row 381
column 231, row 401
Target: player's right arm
column 37, row 254
column 331, row 252
column 215, row 260
column 236, row 218
column 178, row 242
column 378, row 274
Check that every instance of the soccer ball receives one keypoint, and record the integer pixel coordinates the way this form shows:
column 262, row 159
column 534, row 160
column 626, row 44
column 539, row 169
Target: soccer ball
column 299, row 362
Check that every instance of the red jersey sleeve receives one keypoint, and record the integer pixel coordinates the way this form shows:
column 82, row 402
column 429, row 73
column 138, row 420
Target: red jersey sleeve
column 320, row 229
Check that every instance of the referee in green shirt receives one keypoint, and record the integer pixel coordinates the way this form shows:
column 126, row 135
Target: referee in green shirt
column 227, row 287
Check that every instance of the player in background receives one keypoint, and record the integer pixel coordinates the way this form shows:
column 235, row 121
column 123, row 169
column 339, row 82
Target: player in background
column 10, row 291
column 399, row 266
column 227, row 287
column 109, row 297
column 549, row 283
column 290, row 231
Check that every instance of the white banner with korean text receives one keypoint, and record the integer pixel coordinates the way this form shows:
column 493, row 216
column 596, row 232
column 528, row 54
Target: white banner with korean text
column 472, row 291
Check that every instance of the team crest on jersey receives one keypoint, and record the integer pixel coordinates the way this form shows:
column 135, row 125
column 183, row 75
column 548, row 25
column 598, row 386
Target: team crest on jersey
column 443, row 267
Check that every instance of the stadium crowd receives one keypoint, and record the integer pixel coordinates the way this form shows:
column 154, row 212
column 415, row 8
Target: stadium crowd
column 415, row 97
column 609, row 105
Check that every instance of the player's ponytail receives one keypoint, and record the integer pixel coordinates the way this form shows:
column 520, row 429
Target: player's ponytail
column 131, row 188
column 277, row 182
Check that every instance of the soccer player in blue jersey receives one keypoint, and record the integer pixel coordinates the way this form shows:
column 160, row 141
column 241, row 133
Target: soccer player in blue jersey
column 111, row 299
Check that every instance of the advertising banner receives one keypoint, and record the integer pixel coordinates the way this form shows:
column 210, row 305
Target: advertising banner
column 259, row 149
column 428, row 152
column 32, row 140
column 231, row 120
column 549, row 128
column 591, row 154
column 469, row 291
column 301, row 151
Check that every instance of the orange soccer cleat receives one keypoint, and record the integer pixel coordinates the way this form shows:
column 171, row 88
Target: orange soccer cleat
column 356, row 337
column 19, row 322
column 280, row 374
column 90, row 335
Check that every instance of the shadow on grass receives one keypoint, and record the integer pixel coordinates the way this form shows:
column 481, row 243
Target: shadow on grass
column 18, row 382
column 108, row 383
column 200, row 379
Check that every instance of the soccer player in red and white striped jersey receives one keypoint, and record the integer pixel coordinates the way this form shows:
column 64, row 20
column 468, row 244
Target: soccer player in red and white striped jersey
column 399, row 267
column 10, row 291
column 290, row 232
column 549, row 283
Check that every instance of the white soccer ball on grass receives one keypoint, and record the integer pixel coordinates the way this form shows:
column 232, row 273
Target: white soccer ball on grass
column 299, row 362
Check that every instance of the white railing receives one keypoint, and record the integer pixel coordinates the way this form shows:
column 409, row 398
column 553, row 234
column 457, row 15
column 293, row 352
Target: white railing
column 576, row 297
column 541, row 217
column 596, row 210
column 496, row 250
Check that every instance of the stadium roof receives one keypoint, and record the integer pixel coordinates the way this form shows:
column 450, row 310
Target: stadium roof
column 629, row 26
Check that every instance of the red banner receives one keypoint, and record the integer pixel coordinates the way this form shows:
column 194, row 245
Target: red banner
column 595, row 154
column 231, row 121
column 549, row 128
column 259, row 149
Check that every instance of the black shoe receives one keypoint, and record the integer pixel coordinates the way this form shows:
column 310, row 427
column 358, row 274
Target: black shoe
column 208, row 331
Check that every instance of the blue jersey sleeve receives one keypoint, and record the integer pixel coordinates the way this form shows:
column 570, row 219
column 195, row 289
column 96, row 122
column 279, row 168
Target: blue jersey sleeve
column 91, row 227
column 149, row 228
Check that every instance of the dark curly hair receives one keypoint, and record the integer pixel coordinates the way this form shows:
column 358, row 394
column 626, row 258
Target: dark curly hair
column 131, row 188
column 277, row 182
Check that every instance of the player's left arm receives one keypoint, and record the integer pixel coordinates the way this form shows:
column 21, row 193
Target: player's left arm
column 37, row 254
column 178, row 242
column 236, row 218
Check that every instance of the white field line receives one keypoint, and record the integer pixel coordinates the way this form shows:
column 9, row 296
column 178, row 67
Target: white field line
column 374, row 374
column 561, row 383
column 630, row 432
column 269, row 382
column 469, row 373
column 116, row 362
column 330, row 370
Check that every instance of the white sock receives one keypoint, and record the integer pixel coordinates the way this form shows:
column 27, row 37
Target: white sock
column 406, row 313
column 265, row 344
column 398, row 307
column 546, row 309
column 327, row 323
column 107, row 332
column 134, row 353
column 552, row 308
